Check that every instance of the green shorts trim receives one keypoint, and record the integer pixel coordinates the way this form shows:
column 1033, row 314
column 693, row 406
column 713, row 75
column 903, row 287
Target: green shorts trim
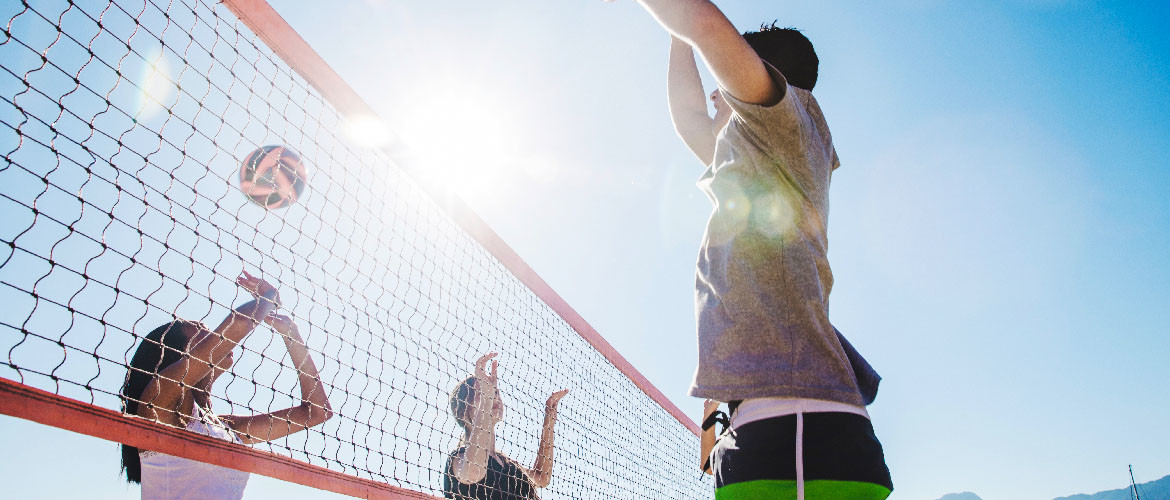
column 777, row 489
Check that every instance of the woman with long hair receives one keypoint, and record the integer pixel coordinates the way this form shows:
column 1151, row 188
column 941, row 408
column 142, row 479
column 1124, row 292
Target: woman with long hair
column 170, row 379
column 476, row 470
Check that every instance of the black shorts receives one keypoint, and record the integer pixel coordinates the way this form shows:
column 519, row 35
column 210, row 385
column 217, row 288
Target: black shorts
column 802, row 456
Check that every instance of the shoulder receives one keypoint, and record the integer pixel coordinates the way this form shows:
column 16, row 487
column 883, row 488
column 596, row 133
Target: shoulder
column 820, row 126
column 788, row 114
column 451, row 485
column 812, row 107
column 454, row 455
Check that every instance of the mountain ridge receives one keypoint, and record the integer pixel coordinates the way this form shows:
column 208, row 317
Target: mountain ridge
column 1158, row 489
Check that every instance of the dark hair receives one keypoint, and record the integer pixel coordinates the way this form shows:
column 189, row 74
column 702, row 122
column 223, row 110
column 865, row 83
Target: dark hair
column 160, row 348
column 789, row 51
column 461, row 399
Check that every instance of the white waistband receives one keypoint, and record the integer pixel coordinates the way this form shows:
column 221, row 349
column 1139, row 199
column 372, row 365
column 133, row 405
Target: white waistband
column 755, row 409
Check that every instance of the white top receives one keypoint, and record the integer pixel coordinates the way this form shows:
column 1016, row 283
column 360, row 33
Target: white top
column 751, row 410
column 166, row 477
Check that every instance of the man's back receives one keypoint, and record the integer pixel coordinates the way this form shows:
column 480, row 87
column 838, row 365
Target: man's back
column 763, row 277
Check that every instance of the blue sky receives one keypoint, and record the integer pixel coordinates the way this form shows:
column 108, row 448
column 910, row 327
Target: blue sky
column 998, row 229
column 999, row 226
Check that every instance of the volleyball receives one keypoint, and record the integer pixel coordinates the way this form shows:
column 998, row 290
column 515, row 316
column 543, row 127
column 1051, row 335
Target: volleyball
column 273, row 176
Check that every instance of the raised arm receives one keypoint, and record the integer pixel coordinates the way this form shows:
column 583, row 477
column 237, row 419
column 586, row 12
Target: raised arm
column 237, row 325
column 707, row 439
column 541, row 472
column 207, row 349
column 734, row 63
column 314, row 408
column 471, row 466
column 688, row 105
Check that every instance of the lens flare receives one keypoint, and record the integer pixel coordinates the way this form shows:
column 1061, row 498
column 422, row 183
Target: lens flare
column 368, row 131
column 157, row 89
column 731, row 215
column 468, row 139
column 773, row 214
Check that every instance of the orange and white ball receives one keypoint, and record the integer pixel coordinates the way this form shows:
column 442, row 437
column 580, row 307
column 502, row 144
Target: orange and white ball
column 273, row 176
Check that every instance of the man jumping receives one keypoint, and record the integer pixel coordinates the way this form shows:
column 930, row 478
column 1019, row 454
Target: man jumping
column 798, row 426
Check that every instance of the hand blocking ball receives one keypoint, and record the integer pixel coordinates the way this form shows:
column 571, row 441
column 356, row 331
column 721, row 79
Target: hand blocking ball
column 273, row 176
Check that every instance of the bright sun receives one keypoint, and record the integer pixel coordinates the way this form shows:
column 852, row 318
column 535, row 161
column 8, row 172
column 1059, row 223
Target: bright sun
column 467, row 138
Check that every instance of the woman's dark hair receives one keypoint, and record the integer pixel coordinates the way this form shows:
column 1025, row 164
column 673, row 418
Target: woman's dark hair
column 159, row 349
column 461, row 399
column 789, row 51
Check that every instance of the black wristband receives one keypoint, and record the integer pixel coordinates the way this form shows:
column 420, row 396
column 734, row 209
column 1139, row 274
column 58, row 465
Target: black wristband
column 716, row 416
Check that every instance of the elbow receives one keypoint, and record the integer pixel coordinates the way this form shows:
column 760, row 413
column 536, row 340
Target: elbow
column 543, row 481
column 318, row 414
column 328, row 410
column 470, row 474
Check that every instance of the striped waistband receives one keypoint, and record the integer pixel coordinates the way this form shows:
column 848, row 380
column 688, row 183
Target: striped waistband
column 755, row 409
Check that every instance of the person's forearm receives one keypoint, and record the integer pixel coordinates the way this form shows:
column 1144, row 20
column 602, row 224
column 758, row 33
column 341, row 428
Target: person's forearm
column 732, row 61
column 707, row 438
column 687, row 102
column 706, row 444
column 685, row 19
column 239, row 323
column 480, row 437
column 251, row 313
column 312, row 389
column 684, row 86
column 544, row 454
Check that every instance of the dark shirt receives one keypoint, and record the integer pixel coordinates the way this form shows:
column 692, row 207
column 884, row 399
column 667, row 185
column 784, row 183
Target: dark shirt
column 505, row 480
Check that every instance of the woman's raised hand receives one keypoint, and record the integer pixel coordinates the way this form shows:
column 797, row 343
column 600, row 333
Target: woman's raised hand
column 258, row 288
column 482, row 375
column 283, row 325
column 554, row 399
column 486, row 381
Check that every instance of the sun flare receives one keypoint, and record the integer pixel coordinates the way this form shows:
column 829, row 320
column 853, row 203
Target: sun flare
column 466, row 137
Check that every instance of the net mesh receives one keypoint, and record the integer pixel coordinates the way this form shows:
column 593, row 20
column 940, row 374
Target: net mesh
column 122, row 128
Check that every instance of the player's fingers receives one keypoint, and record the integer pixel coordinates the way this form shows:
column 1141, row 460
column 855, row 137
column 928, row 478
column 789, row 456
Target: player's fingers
column 555, row 398
column 481, row 363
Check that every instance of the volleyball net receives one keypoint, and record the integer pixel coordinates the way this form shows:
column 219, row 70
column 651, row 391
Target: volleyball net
column 123, row 128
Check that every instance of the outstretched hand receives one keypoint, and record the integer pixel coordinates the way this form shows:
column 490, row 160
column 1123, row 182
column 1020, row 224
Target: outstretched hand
column 554, row 399
column 259, row 288
column 482, row 375
column 486, row 381
column 283, row 325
